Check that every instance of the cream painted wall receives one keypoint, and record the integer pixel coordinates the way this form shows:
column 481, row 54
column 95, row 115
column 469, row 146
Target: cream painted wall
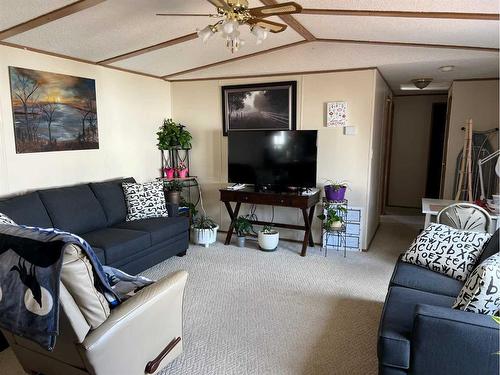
column 130, row 108
column 410, row 148
column 197, row 104
column 476, row 100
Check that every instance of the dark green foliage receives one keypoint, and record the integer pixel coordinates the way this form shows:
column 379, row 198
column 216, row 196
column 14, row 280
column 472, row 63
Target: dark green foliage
column 243, row 226
column 173, row 185
column 204, row 222
column 173, row 135
column 333, row 214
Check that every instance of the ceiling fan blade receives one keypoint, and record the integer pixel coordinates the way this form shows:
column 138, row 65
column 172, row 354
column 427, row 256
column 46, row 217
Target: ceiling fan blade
column 278, row 9
column 183, row 14
column 273, row 27
column 220, row 4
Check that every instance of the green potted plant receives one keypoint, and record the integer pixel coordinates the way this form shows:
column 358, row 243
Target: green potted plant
column 335, row 190
column 243, row 227
column 204, row 230
column 173, row 191
column 173, row 135
column 333, row 219
column 268, row 238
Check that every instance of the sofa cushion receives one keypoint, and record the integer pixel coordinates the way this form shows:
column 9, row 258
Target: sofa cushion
column 416, row 277
column 447, row 250
column 100, row 254
column 74, row 209
column 492, row 247
column 118, row 243
column 397, row 323
column 160, row 228
column 480, row 293
column 110, row 195
column 78, row 278
column 26, row 209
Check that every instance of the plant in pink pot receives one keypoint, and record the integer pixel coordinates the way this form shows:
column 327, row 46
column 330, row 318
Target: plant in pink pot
column 169, row 173
column 182, row 170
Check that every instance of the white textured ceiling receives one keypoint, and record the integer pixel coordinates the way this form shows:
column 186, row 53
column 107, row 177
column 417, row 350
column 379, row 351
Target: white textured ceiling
column 14, row 12
column 397, row 64
column 473, row 6
column 478, row 33
column 116, row 27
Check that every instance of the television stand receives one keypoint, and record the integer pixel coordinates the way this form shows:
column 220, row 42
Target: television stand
column 305, row 203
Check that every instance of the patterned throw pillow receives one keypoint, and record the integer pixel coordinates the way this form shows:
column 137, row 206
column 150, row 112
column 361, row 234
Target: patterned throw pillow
column 446, row 250
column 4, row 219
column 145, row 200
column 481, row 292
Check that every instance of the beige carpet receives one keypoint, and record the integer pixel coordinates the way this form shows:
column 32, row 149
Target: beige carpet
column 250, row 312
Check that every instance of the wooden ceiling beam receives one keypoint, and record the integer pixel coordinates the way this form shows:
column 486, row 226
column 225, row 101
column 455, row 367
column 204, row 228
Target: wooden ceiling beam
column 402, row 14
column 168, row 76
column 408, row 44
column 65, row 11
column 292, row 22
column 154, row 47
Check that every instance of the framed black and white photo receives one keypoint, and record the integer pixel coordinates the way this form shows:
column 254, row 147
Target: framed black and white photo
column 263, row 106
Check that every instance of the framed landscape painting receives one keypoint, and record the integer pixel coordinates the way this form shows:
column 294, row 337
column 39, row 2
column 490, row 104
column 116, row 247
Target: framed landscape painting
column 52, row 112
column 263, row 106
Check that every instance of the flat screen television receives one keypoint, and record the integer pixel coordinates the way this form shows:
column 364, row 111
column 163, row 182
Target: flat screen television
column 274, row 159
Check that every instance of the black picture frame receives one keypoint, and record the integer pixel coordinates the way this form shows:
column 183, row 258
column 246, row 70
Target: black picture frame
column 283, row 116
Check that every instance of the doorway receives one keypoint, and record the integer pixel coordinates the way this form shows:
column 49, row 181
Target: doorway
column 436, row 150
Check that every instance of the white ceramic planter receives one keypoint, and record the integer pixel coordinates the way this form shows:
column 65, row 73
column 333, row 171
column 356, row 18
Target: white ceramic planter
column 268, row 241
column 204, row 236
column 336, row 225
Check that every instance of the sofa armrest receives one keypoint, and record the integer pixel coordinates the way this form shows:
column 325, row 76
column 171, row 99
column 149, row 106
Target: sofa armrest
column 448, row 341
column 139, row 329
column 173, row 209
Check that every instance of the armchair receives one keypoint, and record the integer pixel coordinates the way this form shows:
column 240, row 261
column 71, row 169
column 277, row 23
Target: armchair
column 140, row 336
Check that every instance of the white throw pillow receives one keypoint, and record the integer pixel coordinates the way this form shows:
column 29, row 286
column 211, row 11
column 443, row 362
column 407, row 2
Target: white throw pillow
column 446, row 250
column 145, row 200
column 4, row 219
column 481, row 292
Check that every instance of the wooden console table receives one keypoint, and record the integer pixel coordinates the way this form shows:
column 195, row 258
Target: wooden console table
column 302, row 202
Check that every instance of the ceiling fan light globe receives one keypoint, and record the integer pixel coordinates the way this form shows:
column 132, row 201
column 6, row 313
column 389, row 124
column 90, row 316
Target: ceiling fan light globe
column 230, row 26
column 205, row 34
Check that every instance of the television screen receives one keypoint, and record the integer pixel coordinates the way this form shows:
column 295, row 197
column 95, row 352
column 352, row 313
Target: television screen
column 277, row 159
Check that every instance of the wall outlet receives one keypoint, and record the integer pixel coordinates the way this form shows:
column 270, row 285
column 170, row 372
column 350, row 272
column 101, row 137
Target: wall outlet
column 349, row 130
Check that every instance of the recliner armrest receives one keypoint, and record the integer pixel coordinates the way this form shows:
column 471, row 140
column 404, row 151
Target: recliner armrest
column 139, row 329
column 448, row 341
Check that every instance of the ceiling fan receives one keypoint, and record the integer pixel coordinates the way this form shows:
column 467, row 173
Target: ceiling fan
column 233, row 13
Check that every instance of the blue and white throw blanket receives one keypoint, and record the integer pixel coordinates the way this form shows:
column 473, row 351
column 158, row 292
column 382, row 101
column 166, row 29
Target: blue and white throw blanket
column 30, row 270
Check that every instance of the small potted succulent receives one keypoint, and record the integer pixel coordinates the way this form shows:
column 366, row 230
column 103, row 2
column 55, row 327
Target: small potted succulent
column 335, row 191
column 333, row 220
column 268, row 238
column 243, row 227
column 182, row 170
column 204, row 230
column 173, row 190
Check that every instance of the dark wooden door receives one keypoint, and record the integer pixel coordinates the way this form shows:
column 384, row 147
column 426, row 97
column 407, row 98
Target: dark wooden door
column 436, row 148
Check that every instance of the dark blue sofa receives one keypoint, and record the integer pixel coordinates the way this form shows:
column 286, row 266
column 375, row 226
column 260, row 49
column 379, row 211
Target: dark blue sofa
column 96, row 212
column 420, row 333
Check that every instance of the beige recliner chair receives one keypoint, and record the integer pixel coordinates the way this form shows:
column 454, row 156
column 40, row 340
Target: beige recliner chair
column 140, row 336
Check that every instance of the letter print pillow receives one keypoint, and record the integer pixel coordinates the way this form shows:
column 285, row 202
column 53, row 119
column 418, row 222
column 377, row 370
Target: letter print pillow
column 452, row 252
column 481, row 293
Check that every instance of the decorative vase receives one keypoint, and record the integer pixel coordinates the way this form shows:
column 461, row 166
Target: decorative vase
column 268, row 241
column 204, row 237
column 182, row 173
column 241, row 241
column 173, row 197
column 169, row 173
column 335, row 195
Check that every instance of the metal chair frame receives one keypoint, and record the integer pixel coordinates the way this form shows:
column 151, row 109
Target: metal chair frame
column 477, row 220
